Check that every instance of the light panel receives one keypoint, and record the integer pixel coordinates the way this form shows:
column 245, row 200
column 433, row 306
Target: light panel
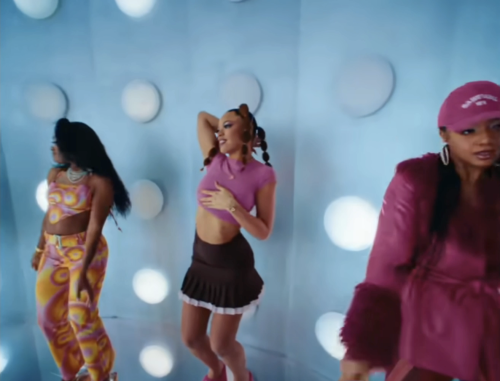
column 150, row 286
column 351, row 223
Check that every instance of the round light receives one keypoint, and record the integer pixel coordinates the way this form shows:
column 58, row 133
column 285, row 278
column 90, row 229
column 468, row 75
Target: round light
column 365, row 85
column 150, row 286
column 351, row 223
column 327, row 331
column 241, row 88
column 156, row 360
column 37, row 9
column 147, row 199
column 136, row 8
column 46, row 102
column 141, row 101
column 42, row 192
column 3, row 360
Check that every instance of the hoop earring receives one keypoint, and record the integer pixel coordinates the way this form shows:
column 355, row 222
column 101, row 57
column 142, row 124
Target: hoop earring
column 445, row 154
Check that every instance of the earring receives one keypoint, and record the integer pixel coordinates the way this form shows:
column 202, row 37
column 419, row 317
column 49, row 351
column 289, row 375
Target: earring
column 445, row 154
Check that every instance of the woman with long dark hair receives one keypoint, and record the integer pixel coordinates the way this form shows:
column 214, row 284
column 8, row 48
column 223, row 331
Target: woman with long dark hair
column 222, row 279
column 429, row 308
column 72, row 253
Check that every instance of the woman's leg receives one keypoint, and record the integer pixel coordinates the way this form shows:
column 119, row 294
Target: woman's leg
column 52, row 289
column 94, row 342
column 194, row 325
column 223, row 341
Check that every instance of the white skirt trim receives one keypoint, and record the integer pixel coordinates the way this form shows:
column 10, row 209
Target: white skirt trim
column 221, row 310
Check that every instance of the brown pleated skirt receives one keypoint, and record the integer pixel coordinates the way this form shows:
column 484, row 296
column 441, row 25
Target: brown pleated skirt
column 222, row 278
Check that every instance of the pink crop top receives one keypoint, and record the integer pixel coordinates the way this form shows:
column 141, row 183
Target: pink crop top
column 242, row 181
column 67, row 200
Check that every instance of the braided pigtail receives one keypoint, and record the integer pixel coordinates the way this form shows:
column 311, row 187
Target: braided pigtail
column 209, row 158
column 261, row 135
column 247, row 133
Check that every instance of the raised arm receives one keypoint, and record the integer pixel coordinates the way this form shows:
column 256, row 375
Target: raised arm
column 207, row 127
column 373, row 323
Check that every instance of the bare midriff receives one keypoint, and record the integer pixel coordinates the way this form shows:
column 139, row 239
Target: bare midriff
column 69, row 225
column 213, row 230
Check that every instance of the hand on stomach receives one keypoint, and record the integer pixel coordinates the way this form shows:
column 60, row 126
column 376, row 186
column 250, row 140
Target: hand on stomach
column 212, row 230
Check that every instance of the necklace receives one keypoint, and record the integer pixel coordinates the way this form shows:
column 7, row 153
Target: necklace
column 75, row 176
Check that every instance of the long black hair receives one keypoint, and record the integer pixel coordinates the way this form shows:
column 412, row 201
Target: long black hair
column 248, row 135
column 79, row 144
column 446, row 203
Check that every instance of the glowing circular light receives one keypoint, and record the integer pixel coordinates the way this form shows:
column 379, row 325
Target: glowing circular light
column 136, row 8
column 150, row 286
column 351, row 223
column 37, row 9
column 365, row 85
column 327, row 331
column 156, row 360
column 147, row 199
column 46, row 101
column 3, row 360
column 141, row 101
column 241, row 88
column 42, row 191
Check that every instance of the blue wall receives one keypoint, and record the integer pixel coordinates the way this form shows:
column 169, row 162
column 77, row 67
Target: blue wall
column 15, row 325
column 186, row 47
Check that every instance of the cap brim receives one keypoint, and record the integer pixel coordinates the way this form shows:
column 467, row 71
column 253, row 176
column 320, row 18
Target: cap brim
column 467, row 123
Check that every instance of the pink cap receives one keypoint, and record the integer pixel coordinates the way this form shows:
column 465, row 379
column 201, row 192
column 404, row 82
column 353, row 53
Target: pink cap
column 469, row 105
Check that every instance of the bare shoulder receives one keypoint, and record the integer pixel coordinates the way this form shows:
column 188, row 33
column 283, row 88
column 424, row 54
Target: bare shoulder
column 53, row 174
column 100, row 182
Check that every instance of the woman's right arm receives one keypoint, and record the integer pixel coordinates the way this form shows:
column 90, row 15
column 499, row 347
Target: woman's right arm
column 40, row 247
column 373, row 323
column 50, row 178
column 207, row 128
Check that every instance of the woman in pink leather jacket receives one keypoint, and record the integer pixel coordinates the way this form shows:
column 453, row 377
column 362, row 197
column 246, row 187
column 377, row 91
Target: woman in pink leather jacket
column 429, row 307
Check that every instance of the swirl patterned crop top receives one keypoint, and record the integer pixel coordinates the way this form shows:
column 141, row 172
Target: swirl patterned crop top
column 67, row 200
column 243, row 181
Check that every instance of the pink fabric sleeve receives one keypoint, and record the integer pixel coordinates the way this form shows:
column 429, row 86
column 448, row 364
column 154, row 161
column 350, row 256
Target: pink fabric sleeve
column 373, row 323
column 268, row 176
column 216, row 159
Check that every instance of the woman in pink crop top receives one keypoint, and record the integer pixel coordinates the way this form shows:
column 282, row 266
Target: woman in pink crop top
column 429, row 308
column 222, row 279
column 72, row 253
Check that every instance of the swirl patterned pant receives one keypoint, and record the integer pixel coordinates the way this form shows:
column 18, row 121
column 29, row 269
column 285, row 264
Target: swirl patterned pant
column 73, row 328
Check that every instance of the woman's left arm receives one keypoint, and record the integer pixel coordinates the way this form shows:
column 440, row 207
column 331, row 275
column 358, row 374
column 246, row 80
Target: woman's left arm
column 262, row 225
column 102, row 202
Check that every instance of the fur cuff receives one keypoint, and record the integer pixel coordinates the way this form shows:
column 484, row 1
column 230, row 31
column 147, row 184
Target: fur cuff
column 372, row 326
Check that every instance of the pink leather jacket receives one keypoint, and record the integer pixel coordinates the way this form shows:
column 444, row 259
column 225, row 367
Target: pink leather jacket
column 447, row 320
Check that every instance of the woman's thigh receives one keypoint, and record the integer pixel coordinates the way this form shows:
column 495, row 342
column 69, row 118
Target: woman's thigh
column 194, row 323
column 224, row 330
